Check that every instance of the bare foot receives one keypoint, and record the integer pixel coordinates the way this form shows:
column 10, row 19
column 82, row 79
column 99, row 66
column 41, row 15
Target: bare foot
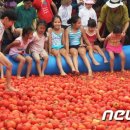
column 41, row 75
column 77, row 72
column 123, row 70
column 90, row 74
column 11, row 89
column 105, row 61
column 112, row 71
column 96, row 63
column 63, row 74
column 19, row 77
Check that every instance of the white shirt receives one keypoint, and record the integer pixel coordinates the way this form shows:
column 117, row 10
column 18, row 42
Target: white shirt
column 85, row 14
column 81, row 6
column 1, row 30
column 65, row 13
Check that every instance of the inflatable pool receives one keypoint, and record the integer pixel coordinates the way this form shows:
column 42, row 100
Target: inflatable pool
column 53, row 69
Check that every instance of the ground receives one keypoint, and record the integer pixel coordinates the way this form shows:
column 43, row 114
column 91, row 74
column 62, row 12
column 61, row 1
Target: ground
column 65, row 103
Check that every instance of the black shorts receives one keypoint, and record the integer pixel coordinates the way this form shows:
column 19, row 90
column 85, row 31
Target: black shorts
column 74, row 46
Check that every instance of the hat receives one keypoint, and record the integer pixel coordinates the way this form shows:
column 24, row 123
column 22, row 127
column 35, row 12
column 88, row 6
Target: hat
column 89, row 1
column 114, row 3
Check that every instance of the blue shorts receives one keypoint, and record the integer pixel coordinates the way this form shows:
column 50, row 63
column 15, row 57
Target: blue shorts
column 58, row 47
column 15, row 56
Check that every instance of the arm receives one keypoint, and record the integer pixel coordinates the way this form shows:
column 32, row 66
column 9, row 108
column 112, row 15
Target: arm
column 106, row 40
column 15, row 43
column 125, row 27
column 99, row 37
column 54, row 8
column 126, row 19
column 63, row 36
column 46, row 44
column 34, row 23
column 84, row 37
column 49, row 39
column 102, row 17
column 67, row 40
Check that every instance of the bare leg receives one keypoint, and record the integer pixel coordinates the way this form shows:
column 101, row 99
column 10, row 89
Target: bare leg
column 2, row 73
column 101, row 53
column 82, row 52
column 122, row 56
column 29, row 66
column 92, row 56
column 68, row 59
column 74, row 54
column 112, row 58
column 21, row 61
column 4, row 61
column 56, row 53
column 44, row 64
column 38, row 66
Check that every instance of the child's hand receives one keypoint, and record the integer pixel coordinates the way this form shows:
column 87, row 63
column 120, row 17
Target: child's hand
column 104, row 49
column 82, row 45
column 123, row 34
column 102, row 39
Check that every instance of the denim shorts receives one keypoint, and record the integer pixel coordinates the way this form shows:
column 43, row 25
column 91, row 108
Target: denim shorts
column 15, row 56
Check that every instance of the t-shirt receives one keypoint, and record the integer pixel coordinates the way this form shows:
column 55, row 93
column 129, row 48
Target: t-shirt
column 85, row 14
column 65, row 13
column 38, row 43
column 25, row 17
column 21, row 48
column 1, row 30
column 120, row 17
column 44, row 10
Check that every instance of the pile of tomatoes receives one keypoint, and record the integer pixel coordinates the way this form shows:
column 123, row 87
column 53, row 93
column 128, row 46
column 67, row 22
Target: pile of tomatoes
column 65, row 103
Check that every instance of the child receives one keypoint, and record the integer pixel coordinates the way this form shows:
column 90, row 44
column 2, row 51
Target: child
column 57, row 44
column 74, row 35
column 37, row 47
column 64, row 12
column 92, row 34
column 7, row 20
column 113, row 44
column 17, row 51
column 87, row 12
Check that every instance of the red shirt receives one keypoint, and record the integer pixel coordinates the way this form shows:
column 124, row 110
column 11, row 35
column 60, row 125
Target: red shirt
column 91, row 38
column 44, row 10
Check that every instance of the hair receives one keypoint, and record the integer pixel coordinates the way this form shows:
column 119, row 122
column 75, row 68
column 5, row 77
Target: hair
column 56, row 16
column 73, row 19
column 41, row 22
column 117, row 29
column 28, row 0
column 91, row 23
column 11, row 14
column 26, row 31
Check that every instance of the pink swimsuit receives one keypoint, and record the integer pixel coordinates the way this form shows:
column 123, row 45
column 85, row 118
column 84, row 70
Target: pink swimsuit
column 92, row 38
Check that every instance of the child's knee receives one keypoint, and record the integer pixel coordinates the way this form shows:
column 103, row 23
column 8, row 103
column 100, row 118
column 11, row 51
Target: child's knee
column 9, row 66
column 37, row 61
column 29, row 60
column 46, row 58
column 23, row 60
column 112, row 58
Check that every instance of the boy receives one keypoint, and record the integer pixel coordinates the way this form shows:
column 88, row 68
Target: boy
column 7, row 20
column 87, row 12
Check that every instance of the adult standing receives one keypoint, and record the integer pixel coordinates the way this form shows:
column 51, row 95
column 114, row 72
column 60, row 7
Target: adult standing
column 114, row 12
column 26, row 15
column 45, row 9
